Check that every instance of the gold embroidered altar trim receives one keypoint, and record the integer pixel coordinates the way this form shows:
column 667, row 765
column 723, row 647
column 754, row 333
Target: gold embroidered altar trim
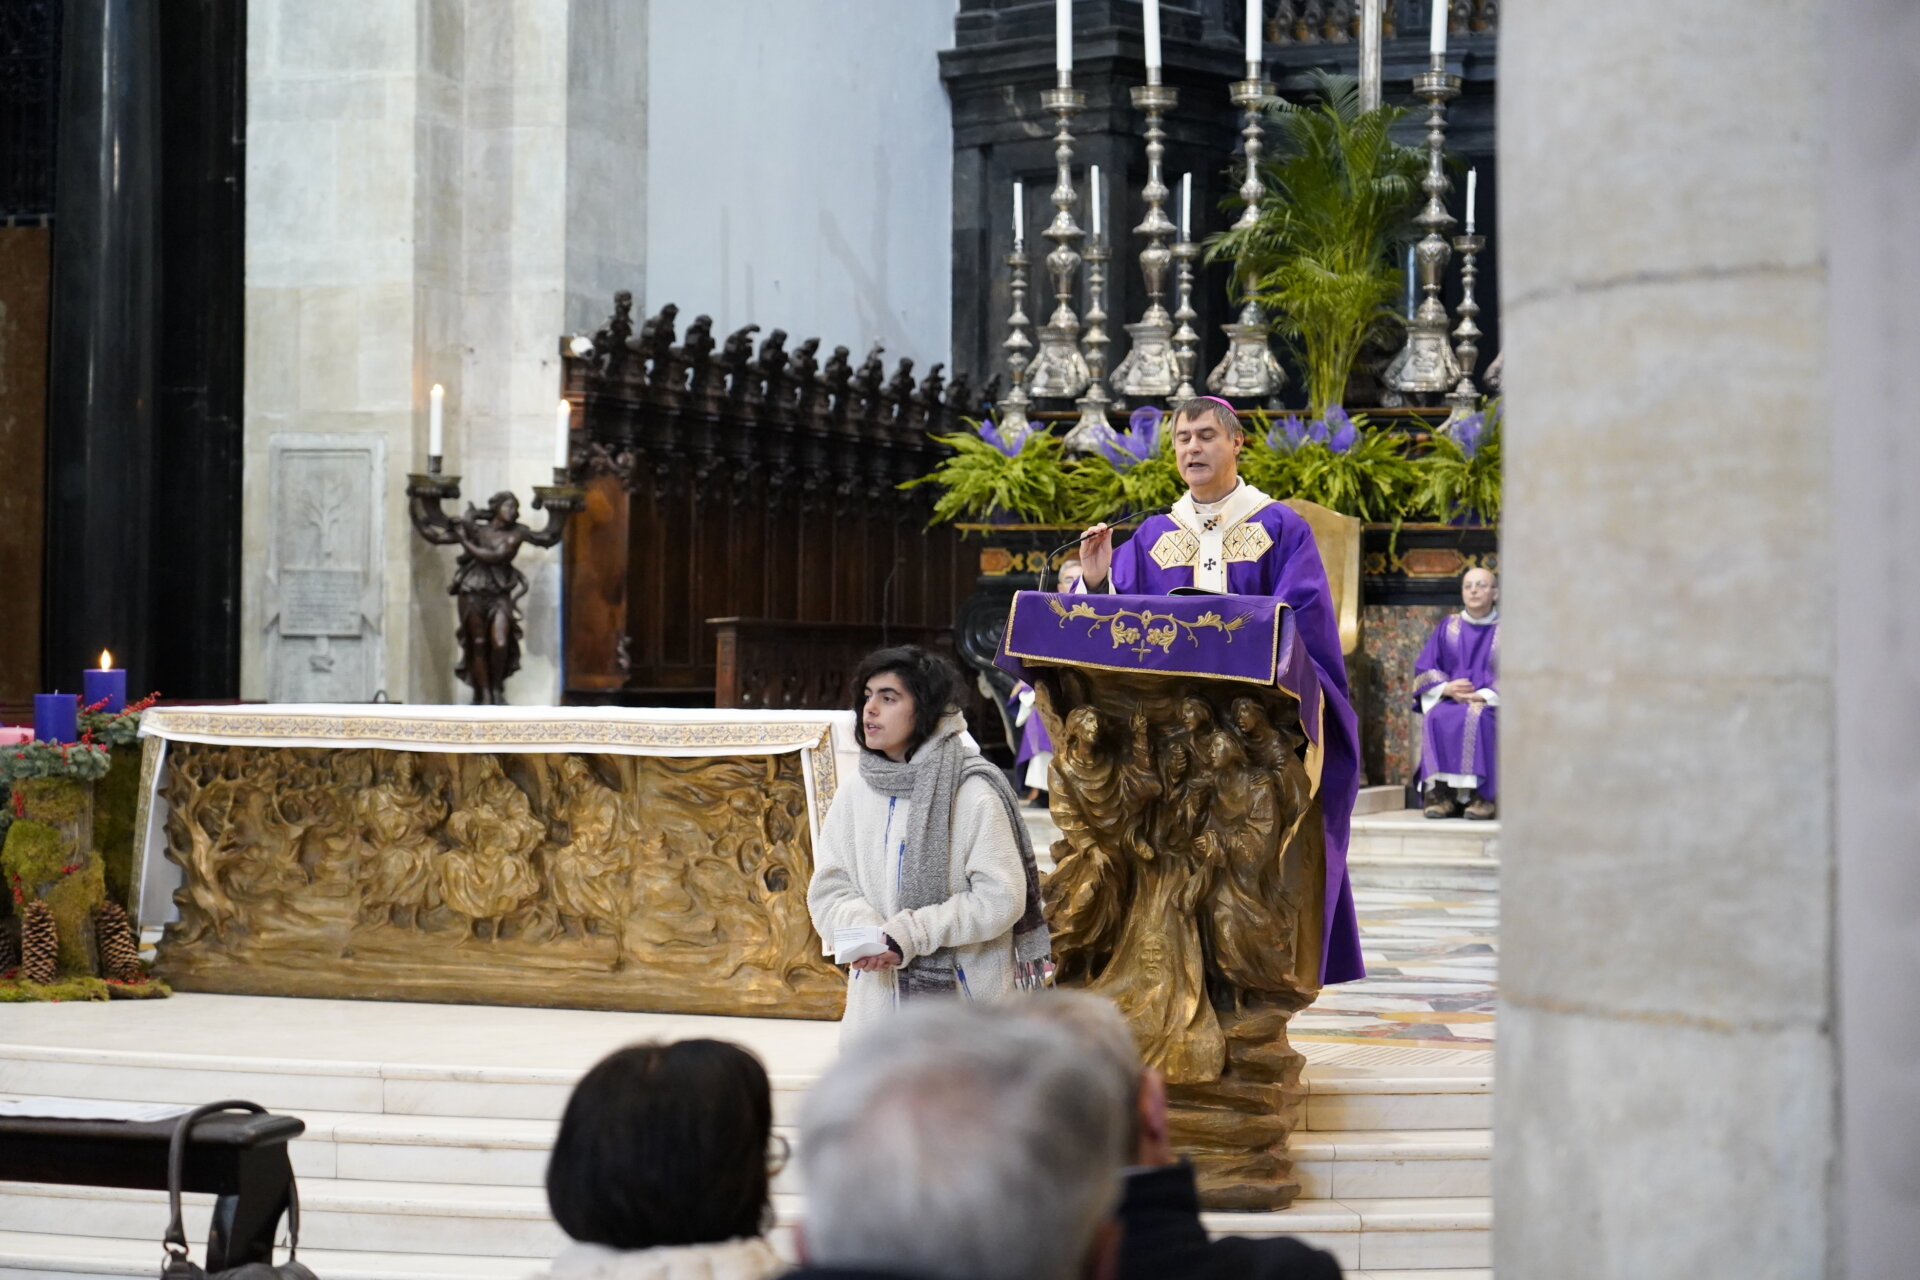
column 1155, row 630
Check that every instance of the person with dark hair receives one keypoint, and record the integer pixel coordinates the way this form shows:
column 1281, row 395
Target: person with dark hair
column 924, row 880
column 661, row 1169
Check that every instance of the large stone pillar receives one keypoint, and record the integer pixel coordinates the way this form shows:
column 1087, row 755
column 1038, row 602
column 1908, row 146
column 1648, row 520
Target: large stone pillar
column 100, row 367
column 1668, row 1068
column 1874, row 330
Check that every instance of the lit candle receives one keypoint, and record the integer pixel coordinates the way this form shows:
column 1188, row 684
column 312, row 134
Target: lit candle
column 56, row 717
column 108, row 685
column 562, row 435
column 1186, row 206
column 1254, row 43
column 1437, row 37
column 1152, row 12
column 1473, row 187
column 1019, row 212
column 1093, row 197
column 436, row 420
column 1063, row 35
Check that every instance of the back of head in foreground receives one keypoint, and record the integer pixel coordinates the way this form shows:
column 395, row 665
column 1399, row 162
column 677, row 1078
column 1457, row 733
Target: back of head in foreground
column 955, row 1144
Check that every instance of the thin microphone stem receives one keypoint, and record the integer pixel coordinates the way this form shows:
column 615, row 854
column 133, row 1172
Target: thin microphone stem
column 1117, row 522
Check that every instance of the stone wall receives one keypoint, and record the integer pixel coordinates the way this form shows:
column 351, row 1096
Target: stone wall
column 436, row 191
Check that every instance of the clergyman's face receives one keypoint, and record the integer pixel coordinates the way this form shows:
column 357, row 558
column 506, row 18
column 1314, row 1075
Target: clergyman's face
column 1208, row 456
column 886, row 714
column 1478, row 591
column 1070, row 575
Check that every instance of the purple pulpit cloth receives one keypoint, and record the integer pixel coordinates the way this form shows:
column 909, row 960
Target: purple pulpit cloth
column 1255, row 639
column 1459, row 737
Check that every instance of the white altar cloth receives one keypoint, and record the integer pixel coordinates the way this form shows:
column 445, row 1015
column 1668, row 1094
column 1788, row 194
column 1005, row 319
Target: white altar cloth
column 824, row 738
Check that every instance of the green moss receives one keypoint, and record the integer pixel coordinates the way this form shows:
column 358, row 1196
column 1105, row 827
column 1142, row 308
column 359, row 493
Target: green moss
column 13, row 991
column 72, row 900
column 116, row 797
column 145, row 989
column 45, row 857
column 61, row 801
column 33, row 855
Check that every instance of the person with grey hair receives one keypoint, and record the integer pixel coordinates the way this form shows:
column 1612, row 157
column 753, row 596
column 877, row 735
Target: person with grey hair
column 1162, row 1237
column 955, row 1143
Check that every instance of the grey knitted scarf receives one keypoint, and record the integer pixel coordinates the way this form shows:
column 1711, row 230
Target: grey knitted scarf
column 930, row 781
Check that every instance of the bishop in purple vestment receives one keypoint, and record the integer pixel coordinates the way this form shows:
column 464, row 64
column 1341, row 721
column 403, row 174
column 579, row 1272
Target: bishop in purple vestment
column 1225, row 535
column 1456, row 690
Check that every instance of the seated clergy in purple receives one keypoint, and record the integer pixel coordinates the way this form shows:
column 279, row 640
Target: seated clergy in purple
column 1456, row 692
column 1225, row 535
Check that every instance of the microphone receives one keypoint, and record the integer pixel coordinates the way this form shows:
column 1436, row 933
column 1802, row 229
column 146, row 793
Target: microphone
column 1132, row 517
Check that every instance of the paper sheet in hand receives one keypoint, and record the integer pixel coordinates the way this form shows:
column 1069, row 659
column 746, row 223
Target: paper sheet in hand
column 90, row 1109
column 858, row 943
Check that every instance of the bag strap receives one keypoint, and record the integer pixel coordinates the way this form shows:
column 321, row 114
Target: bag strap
column 175, row 1241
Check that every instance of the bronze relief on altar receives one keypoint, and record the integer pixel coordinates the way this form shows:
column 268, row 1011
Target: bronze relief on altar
column 611, row 881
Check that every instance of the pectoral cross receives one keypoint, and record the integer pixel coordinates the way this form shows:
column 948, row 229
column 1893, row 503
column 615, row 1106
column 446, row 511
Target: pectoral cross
column 1212, row 523
column 1211, row 564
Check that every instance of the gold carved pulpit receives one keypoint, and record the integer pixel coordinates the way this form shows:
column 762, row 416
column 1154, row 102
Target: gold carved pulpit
column 1189, row 878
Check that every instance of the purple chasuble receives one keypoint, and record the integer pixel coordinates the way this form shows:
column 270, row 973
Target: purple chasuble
column 1288, row 567
column 1033, row 734
column 1460, row 737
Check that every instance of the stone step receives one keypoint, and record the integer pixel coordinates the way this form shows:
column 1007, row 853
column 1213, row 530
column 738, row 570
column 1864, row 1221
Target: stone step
column 1406, row 833
column 1331, row 1164
column 448, row 1221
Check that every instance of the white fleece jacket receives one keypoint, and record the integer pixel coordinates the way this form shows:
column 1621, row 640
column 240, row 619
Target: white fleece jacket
column 856, row 880
column 751, row 1259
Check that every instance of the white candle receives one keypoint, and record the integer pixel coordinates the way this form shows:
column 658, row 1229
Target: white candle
column 1186, row 206
column 562, row 435
column 436, row 425
column 1019, row 212
column 1473, row 187
column 1254, row 43
column 1063, row 35
column 1437, row 37
column 1152, row 13
column 1093, row 197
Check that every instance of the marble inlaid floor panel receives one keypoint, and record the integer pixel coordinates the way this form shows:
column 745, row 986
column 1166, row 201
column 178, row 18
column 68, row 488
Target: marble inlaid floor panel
column 1432, row 973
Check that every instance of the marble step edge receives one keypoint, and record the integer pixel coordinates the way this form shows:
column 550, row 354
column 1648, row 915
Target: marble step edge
column 1319, row 1078
column 327, row 1196
column 1400, row 861
column 537, row 1135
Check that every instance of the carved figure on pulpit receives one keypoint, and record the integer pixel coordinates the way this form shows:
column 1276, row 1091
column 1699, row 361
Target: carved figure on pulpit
column 396, row 817
column 487, row 874
column 1456, row 691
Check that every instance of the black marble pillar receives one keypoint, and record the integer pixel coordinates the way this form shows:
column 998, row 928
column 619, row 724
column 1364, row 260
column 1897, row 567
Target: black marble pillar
column 100, row 366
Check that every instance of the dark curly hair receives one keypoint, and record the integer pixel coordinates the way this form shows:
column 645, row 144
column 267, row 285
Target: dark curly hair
column 664, row 1144
column 930, row 679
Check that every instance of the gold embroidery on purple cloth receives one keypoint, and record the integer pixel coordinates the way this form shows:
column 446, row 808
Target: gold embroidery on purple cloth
column 1208, row 620
column 1493, row 652
column 1174, row 548
column 1248, row 540
column 1470, row 736
column 1453, row 628
column 1428, row 678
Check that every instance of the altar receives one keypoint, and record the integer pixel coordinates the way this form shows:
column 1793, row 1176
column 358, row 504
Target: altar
column 651, row 860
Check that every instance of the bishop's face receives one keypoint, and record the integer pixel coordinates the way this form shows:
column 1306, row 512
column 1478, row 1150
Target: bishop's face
column 1208, row 456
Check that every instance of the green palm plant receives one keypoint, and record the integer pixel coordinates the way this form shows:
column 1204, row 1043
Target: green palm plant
column 1321, row 254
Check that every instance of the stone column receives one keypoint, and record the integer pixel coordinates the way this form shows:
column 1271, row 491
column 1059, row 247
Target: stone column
column 100, row 368
column 1872, row 188
column 1668, row 1060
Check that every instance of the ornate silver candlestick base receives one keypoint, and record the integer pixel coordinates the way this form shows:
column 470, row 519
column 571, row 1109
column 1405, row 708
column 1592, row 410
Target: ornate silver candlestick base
column 1465, row 397
column 1093, row 423
column 1060, row 370
column 1186, row 343
column 1148, row 371
column 1249, row 370
column 1426, row 365
column 1013, row 409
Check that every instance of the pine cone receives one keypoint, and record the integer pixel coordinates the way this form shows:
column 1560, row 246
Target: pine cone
column 119, row 952
column 38, row 943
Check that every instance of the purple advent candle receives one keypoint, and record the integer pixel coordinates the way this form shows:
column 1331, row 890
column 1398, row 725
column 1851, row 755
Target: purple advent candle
column 106, row 684
column 56, row 717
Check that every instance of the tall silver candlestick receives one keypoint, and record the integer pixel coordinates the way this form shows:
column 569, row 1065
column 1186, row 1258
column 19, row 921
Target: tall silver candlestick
column 1465, row 397
column 1013, row 409
column 1093, row 405
column 1186, row 343
column 1426, row 365
column 1148, row 373
column 1249, row 368
column 1060, row 370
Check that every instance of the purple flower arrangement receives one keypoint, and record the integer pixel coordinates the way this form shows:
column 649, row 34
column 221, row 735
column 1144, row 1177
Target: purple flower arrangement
column 1336, row 431
column 1140, row 441
column 1009, row 442
column 1467, row 435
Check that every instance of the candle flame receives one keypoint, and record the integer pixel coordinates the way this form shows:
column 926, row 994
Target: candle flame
column 106, row 659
